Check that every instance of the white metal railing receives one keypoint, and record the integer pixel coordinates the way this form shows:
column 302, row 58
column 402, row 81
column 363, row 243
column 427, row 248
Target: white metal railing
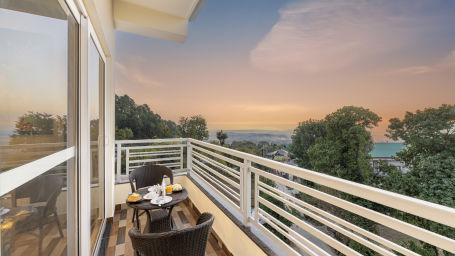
column 131, row 154
column 253, row 185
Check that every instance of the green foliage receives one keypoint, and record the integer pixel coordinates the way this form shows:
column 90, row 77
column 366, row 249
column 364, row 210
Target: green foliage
column 193, row 127
column 425, row 133
column 338, row 145
column 143, row 123
column 305, row 136
column 221, row 136
column 429, row 136
column 276, row 202
column 124, row 133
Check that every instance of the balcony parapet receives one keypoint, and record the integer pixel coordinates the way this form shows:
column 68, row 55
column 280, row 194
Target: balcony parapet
column 255, row 191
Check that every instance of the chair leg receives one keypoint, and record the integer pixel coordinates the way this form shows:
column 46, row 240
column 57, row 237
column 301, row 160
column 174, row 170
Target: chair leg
column 40, row 240
column 58, row 224
column 134, row 214
column 170, row 216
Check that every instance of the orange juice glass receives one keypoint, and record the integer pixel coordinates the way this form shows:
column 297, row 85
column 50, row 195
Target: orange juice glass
column 169, row 189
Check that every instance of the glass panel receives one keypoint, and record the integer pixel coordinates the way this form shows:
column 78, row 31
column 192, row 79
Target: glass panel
column 33, row 81
column 34, row 215
column 38, row 84
column 95, row 84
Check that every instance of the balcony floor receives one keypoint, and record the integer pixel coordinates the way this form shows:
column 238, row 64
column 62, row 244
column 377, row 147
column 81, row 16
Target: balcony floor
column 183, row 215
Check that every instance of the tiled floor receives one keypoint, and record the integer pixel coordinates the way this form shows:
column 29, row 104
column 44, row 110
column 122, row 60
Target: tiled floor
column 183, row 215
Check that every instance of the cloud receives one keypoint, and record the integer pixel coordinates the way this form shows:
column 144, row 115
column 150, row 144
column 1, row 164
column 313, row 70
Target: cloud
column 136, row 76
column 326, row 35
column 447, row 63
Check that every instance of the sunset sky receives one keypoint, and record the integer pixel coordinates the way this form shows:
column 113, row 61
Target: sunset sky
column 268, row 64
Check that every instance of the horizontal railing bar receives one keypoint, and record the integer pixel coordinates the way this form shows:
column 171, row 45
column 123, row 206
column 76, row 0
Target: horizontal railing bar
column 332, row 225
column 401, row 226
column 155, row 146
column 153, row 153
column 374, row 237
column 310, row 229
column 227, row 159
column 288, row 236
column 149, row 141
column 231, row 172
column 277, row 240
column 306, row 244
column 216, row 190
column 226, row 188
column 233, row 183
column 154, row 160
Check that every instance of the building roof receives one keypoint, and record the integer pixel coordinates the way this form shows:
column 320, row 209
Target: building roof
column 386, row 149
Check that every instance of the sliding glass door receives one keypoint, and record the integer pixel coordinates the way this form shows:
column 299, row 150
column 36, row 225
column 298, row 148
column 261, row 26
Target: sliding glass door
column 38, row 128
column 96, row 115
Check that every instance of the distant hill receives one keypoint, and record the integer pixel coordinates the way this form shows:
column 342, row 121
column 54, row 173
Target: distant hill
column 271, row 136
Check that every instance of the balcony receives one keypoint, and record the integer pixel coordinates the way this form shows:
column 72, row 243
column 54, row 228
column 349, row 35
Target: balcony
column 278, row 209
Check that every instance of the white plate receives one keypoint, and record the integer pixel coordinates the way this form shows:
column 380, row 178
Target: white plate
column 3, row 211
column 154, row 188
column 150, row 196
column 161, row 200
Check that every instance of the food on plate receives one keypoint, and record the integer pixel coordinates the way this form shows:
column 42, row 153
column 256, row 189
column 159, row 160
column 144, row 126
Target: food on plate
column 22, row 213
column 134, row 197
column 6, row 225
column 177, row 187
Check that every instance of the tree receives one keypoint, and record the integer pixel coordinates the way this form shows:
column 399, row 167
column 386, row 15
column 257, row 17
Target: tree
column 143, row 123
column 123, row 134
column 425, row 133
column 221, row 136
column 303, row 138
column 338, row 145
column 35, row 124
column 429, row 138
column 193, row 127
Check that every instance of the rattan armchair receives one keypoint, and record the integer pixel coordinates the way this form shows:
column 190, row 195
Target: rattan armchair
column 190, row 241
column 45, row 189
column 149, row 175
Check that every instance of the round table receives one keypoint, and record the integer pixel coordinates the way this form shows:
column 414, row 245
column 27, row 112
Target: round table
column 145, row 205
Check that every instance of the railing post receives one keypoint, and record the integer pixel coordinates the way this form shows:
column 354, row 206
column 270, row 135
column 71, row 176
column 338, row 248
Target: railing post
column 119, row 162
column 246, row 191
column 127, row 158
column 181, row 158
column 189, row 153
column 256, row 198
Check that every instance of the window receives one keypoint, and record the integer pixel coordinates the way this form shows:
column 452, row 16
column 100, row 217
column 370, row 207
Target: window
column 38, row 127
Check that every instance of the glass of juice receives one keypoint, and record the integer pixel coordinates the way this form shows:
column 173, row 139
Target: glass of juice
column 169, row 189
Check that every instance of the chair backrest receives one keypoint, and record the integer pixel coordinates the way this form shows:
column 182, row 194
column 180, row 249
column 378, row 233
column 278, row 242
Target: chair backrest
column 149, row 175
column 190, row 241
column 44, row 188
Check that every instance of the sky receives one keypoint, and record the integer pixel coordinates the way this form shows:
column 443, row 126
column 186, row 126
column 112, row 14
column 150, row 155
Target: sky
column 268, row 64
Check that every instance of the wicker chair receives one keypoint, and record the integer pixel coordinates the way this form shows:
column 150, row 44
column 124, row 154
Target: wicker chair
column 42, row 191
column 149, row 175
column 190, row 241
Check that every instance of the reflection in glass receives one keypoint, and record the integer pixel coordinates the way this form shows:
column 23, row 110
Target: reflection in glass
column 33, row 81
column 33, row 216
column 95, row 88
